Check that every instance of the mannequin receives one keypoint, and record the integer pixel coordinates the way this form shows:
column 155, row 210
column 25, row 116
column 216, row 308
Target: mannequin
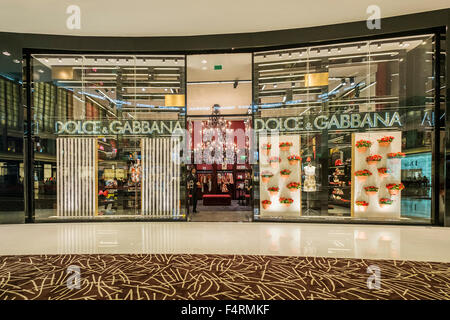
column 310, row 179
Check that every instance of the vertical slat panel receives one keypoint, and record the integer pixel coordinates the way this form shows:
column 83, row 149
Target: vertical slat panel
column 58, row 177
column 150, row 177
column 158, row 155
column 76, row 177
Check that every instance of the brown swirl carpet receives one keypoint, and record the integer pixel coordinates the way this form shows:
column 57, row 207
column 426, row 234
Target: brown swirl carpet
column 184, row 276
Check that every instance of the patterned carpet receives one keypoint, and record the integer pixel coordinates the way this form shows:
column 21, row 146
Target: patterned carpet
column 183, row 276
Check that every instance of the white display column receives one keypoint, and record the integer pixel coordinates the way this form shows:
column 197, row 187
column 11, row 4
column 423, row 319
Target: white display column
column 275, row 169
column 375, row 209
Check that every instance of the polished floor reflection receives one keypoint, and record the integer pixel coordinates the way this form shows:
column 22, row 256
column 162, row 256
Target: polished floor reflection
column 293, row 239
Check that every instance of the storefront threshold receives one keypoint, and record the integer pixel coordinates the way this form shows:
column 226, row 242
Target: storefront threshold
column 344, row 220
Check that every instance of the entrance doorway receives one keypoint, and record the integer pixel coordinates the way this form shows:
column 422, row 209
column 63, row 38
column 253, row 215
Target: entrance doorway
column 218, row 108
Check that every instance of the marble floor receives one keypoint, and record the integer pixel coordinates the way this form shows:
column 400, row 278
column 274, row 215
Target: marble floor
column 288, row 239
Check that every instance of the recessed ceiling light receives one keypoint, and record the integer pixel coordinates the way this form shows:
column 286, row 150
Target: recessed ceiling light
column 143, row 89
column 275, row 85
column 41, row 71
column 165, row 89
column 204, row 61
column 6, row 53
column 16, row 61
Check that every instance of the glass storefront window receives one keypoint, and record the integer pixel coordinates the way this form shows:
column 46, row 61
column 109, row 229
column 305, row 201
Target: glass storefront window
column 358, row 119
column 108, row 130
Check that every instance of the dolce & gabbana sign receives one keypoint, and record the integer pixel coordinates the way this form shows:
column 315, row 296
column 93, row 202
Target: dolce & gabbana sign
column 332, row 122
column 81, row 127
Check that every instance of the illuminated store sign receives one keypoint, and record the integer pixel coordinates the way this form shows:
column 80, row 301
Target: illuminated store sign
column 333, row 122
column 117, row 127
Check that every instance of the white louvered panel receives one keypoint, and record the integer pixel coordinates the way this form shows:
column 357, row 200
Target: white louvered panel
column 143, row 175
column 158, row 152
column 76, row 177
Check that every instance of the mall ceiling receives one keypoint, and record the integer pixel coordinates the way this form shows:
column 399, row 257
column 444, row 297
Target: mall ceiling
column 196, row 17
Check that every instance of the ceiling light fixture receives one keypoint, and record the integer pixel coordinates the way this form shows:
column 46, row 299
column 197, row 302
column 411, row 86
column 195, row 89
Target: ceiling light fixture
column 379, row 45
column 204, row 68
column 204, row 61
column 41, row 71
column 176, row 61
column 339, row 49
column 95, row 60
column 76, row 60
column 401, row 44
column 6, row 53
column 318, row 51
column 59, row 60
column 117, row 60
column 280, row 55
column 359, row 48
column 275, row 85
column 16, row 61
column 46, row 59
column 143, row 60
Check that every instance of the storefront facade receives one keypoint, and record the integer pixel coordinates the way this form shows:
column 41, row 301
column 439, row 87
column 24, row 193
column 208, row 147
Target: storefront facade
column 349, row 130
